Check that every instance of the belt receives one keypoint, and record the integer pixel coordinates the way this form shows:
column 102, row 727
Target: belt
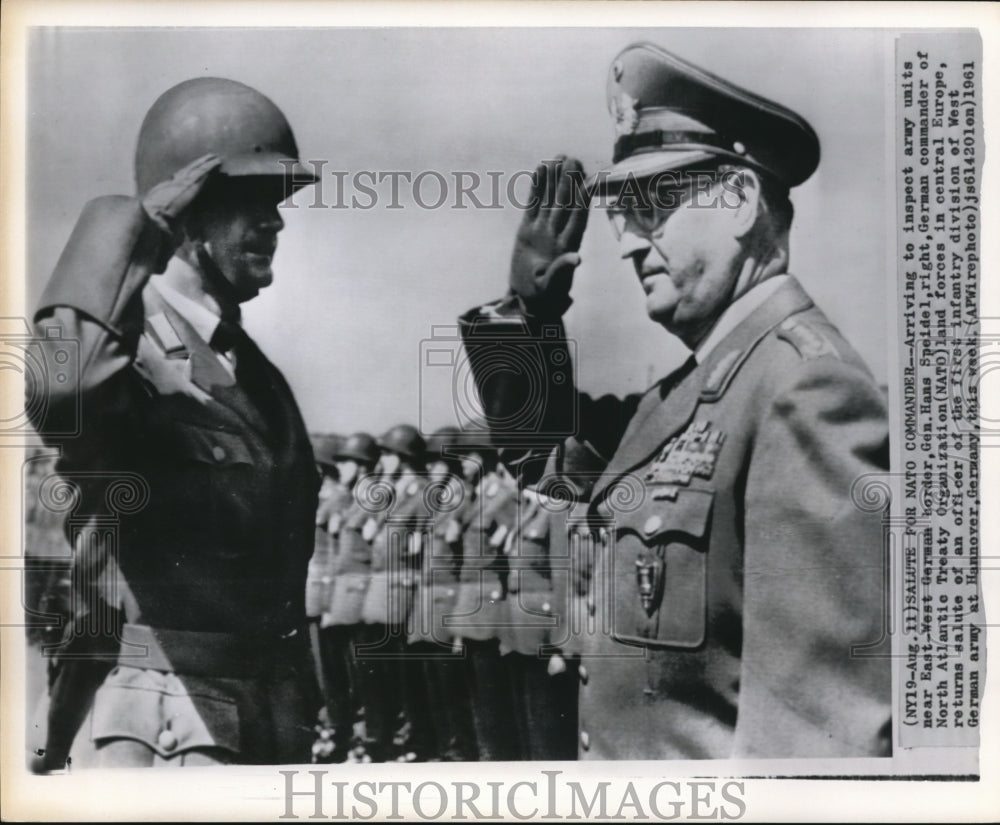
column 200, row 653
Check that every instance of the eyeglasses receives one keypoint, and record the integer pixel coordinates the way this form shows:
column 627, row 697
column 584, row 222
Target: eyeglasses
column 649, row 209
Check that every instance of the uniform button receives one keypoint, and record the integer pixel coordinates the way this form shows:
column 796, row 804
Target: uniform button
column 218, row 453
column 494, row 595
column 451, row 592
column 653, row 523
column 167, row 740
column 584, row 676
column 585, row 740
column 546, row 607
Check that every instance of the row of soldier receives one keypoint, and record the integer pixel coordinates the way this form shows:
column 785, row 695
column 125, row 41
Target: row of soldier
column 442, row 598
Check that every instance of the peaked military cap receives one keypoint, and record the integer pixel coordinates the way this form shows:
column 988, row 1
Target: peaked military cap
column 670, row 114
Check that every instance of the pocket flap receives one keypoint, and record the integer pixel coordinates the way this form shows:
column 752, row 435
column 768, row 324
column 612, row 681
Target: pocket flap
column 664, row 512
column 159, row 710
column 211, row 446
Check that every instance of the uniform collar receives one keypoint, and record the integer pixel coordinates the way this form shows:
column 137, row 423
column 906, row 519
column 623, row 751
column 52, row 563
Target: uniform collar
column 666, row 408
column 738, row 311
column 202, row 320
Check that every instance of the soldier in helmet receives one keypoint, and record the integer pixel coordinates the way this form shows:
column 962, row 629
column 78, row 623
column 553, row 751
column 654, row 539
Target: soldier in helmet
column 204, row 658
column 733, row 566
column 396, row 549
column 331, row 498
column 438, row 697
column 543, row 626
column 486, row 523
column 353, row 459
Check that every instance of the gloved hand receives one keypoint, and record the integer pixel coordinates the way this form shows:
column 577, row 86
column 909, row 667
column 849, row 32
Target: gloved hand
column 545, row 250
column 166, row 202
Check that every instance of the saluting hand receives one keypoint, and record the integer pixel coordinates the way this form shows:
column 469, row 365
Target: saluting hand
column 545, row 250
column 166, row 202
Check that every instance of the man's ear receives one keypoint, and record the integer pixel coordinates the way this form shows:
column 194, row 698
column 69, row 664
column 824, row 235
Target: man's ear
column 744, row 188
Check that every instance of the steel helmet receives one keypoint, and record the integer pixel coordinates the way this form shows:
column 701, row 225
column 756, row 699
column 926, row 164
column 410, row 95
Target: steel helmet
column 325, row 448
column 359, row 447
column 214, row 115
column 441, row 446
column 404, row 440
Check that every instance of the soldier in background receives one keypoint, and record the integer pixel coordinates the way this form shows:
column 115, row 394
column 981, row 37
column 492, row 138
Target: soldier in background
column 485, row 525
column 545, row 554
column 331, row 495
column 396, row 547
column 437, row 690
column 354, row 459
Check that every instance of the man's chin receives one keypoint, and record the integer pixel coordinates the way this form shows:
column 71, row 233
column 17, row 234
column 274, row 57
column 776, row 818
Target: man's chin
column 661, row 314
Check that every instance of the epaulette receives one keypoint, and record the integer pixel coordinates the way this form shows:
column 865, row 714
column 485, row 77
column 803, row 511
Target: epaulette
column 808, row 341
column 165, row 334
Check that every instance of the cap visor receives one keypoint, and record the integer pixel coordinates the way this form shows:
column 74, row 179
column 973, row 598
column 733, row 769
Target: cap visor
column 643, row 166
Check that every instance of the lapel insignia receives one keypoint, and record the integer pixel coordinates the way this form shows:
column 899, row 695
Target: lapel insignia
column 166, row 335
column 649, row 580
column 715, row 382
column 692, row 453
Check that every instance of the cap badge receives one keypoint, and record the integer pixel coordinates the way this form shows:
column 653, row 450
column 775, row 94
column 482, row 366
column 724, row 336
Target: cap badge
column 623, row 107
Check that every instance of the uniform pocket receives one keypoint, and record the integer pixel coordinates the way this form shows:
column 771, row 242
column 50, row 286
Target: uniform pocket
column 660, row 573
column 166, row 713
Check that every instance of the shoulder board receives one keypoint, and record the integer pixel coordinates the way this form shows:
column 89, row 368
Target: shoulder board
column 165, row 334
column 808, row 341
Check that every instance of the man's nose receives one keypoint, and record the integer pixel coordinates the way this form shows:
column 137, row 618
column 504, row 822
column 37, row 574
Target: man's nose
column 633, row 245
column 271, row 220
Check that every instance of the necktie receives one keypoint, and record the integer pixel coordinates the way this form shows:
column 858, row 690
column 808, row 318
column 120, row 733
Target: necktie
column 253, row 373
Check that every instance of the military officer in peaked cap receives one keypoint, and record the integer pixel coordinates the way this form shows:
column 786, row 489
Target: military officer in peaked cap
column 741, row 583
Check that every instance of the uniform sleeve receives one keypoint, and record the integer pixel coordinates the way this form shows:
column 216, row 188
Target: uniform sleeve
column 524, row 375
column 93, row 301
column 813, row 572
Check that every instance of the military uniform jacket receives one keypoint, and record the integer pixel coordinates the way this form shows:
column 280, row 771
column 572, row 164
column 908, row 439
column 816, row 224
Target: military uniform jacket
column 360, row 525
column 215, row 517
column 334, row 499
column 440, row 562
column 487, row 522
column 396, row 552
column 535, row 615
column 734, row 567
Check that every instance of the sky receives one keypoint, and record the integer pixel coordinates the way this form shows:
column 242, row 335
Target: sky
column 361, row 294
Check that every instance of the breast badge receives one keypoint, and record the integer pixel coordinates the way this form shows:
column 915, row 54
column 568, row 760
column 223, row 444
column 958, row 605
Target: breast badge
column 691, row 453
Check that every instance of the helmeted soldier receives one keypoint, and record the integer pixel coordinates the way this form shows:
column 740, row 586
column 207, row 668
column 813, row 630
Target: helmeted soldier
column 353, row 459
column 206, row 659
column 485, row 526
column 438, row 699
column 735, row 570
column 543, row 621
column 396, row 550
column 332, row 497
